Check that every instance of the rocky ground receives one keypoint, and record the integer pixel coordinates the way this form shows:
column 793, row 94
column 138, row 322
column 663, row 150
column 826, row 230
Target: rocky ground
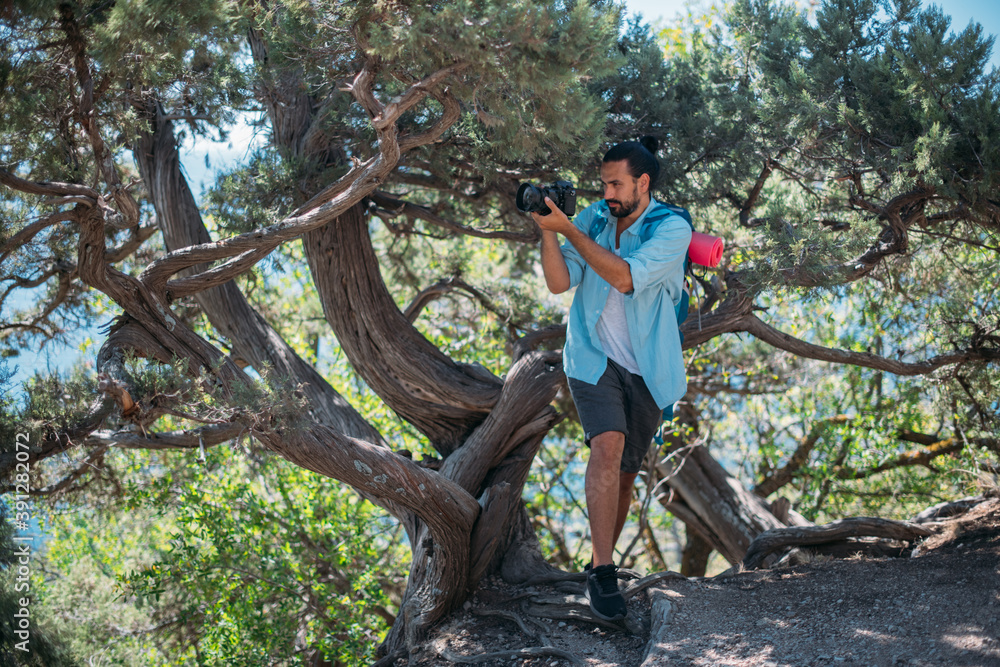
column 941, row 606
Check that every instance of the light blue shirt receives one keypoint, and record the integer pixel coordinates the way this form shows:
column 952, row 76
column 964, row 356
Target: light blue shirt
column 657, row 267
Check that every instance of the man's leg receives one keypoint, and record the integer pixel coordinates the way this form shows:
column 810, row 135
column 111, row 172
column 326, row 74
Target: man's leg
column 625, row 482
column 603, row 490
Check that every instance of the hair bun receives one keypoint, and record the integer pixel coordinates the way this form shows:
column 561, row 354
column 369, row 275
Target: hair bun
column 650, row 143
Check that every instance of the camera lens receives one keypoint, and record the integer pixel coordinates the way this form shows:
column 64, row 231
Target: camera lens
column 529, row 198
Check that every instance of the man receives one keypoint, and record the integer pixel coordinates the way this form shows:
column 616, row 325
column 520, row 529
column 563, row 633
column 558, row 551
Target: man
column 623, row 352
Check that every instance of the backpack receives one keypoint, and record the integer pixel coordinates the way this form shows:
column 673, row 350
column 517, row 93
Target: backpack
column 681, row 309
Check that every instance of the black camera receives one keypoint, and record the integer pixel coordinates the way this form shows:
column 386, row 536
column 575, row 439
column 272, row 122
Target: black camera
column 531, row 199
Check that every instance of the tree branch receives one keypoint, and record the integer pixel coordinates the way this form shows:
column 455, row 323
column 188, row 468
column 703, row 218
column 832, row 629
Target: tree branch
column 137, row 236
column 530, row 386
column 727, row 317
column 48, row 187
column 110, row 362
column 128, row 210
column 362, row 87
column 435, row 292
column 352, row 188
column 204, row 436
column 66, row 271
column 754, row 193
column 226, row 307
column 778, row 538
column 30, row 231
column 911, row 458
column 892, row 240
column 452, row 112
column 84, row 466
column 388, row 115
column 442, row 287
column 439, row 397
column 394, row 206
column 532, row 339
column 783, row 341
column 444, row 507
column 960, row 239
column 782, row 476
column 935, row 448
column 217, row 275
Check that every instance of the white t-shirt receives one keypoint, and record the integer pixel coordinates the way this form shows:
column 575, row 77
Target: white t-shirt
column 612, row 330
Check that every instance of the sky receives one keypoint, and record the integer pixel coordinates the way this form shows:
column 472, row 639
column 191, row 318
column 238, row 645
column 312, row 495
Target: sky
column 984, row 12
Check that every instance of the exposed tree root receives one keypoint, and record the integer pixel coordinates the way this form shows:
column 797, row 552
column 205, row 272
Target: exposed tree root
column 532, row 651
column 780, row 538
column 568, row 587
column 516, row 618
column 948, row 509
column 660, row 613
column 576, row 608
column 637, row 587
column 555, row 576
column 866, row 546
column 390, row 659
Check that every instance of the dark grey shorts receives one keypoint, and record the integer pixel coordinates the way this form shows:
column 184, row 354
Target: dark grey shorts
column 620, row 401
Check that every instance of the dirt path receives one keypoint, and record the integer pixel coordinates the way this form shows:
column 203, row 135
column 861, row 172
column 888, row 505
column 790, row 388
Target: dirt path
column 939, row 608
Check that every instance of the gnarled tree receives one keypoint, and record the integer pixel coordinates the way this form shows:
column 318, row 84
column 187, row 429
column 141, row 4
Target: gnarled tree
column 820, row 151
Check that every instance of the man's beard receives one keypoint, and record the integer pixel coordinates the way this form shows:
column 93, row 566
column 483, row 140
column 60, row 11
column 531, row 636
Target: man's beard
column 624, row 208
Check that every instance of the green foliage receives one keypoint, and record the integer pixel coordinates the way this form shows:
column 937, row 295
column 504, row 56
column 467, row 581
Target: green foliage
column 533, row 55
column 20, row 601
column 57, row 401
column 246, row 560
column 43, row 648
column 9, row 412
column 179, row 53
column 770, row 403
column 257, row 194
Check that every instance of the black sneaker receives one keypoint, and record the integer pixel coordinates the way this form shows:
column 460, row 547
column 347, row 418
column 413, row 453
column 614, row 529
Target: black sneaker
column 606, row 600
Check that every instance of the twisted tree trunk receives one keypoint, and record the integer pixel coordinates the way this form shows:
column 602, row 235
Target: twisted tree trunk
column 491, row 430
column 442, row 399
column 252, row 338
column 713, row 503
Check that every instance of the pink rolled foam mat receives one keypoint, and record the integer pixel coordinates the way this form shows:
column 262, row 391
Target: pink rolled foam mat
column 705, row 250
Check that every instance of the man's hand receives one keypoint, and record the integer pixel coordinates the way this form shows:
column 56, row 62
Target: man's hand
column 613, row 269
column 553, row 263
column 555, row 221
column 607, row 265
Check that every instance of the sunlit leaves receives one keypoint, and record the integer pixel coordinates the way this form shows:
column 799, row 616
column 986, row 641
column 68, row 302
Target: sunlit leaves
column 247, row 556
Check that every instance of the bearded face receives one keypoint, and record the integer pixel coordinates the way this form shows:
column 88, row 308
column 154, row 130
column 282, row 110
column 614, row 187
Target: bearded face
column 621, row 189
column 626, row 205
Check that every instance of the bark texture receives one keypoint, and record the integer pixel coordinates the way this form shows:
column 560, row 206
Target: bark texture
column 694, row 556
column 444, row 400
column 252, row 338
